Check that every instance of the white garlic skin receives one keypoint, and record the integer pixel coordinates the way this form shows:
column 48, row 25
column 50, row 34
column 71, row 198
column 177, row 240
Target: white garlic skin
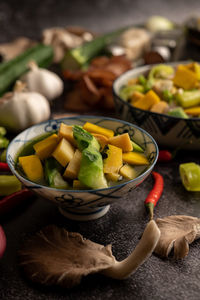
column 44, row 82
column 20, row 110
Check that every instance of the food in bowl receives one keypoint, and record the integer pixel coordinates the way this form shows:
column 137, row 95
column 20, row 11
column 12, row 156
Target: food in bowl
column 168, row 130
column 87, row 203
column 166, row 89
column 81, row 157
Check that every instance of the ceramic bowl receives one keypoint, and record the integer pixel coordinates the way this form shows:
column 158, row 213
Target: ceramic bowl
column 168, row 131
column 84, row 204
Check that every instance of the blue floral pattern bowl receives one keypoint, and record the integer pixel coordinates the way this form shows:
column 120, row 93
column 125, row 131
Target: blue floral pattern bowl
column 84, row 204
column 167, row 130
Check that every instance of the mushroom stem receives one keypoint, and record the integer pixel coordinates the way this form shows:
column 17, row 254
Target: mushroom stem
column 141, row 253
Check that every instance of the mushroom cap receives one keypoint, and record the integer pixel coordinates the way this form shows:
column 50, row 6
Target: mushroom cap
column 177, row 231
column 56, row 256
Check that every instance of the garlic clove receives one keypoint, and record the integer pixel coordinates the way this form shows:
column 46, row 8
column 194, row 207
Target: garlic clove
column 43, row 81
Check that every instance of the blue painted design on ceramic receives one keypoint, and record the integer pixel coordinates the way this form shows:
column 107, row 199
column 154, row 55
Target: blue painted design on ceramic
column 167, row 130
column 83, row 202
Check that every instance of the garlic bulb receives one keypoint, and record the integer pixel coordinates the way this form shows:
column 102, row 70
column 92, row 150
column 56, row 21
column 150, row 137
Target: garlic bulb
column 20, row 109
column 43, row 81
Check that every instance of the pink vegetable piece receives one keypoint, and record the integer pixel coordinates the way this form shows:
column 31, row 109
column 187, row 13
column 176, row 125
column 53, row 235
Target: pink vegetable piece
column 2, row 241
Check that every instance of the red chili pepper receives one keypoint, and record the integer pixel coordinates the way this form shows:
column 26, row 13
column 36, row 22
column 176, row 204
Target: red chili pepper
column 11, row 201
column 164, row 156
column 4, row 167
column 2, row 241
column 155, row 194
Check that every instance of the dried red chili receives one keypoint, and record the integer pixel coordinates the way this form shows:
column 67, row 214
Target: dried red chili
column 155, row 194
column 4, row 167
column 9, row 202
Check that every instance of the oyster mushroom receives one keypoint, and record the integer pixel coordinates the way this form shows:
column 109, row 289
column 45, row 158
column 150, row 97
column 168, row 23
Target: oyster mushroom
column 178, row 232
column 56, row 256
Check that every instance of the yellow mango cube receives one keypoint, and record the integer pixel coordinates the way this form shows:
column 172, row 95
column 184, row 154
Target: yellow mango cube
column 193, row 111
column 73, row 167
column 113, row 176
column 135, row 158
column 63, row 152
column 45, row 147
column 149, row 99
column 113, row 162
column 77, row 184
column 122, row 141
column 92, row 128
column 66, row 131
column 102, row 139
column 128, row 172
column 32, row 167
column 185, row 78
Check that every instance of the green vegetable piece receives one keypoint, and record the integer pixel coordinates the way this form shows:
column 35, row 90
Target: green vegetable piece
column 9, row 184
column 127, row 91
column 136, row 147
column 84, row 138
column 11, row 70
column 161, row 71
column 91, row 169
column 190, row 176
column 2, row 131
column 3, row 156
column 188, row 98
column 77, row 57
column 142, row 80
column 3, row 142
column 52, row 174
column 178, row 112
column 167, row 96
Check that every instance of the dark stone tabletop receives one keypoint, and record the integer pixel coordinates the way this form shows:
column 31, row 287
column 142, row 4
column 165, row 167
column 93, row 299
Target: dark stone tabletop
column 124, row 223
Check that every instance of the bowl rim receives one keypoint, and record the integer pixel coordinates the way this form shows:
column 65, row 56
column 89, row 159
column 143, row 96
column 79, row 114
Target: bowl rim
column 37, row 185
column 146, row 68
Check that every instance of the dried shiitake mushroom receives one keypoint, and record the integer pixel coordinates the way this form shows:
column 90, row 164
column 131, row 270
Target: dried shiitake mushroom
column 56, row 256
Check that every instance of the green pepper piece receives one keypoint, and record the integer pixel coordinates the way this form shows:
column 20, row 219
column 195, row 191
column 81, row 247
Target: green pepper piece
column 188, row 98
column 190, row 176
column 161, row 71
column 3, row 142
column 3, row 155
column 2, row 131
column 178, row 112
column 9, row 184
column 127, row 91
column 52, row 174
column 167, row 96
column 136, row 147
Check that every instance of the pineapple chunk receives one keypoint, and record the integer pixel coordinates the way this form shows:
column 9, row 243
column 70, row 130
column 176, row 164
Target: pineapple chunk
column 98, row 129
column 66, row 131
column 63, row 152
column 32, row 167
column 134, row 158
column 128, row 172
column 45, row 147
column 122, row 141
column 113, row 162
column 73, row 167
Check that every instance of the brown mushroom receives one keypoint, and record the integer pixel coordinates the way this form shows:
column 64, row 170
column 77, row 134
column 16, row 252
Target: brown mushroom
column 56, row 256
column 178, row 232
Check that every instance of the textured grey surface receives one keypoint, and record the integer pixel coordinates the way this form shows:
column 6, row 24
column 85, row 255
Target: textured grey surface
column 124, row 223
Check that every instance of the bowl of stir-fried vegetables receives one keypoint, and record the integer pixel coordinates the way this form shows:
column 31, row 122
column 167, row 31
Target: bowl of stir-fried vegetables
column 164, row 99
column 82, row 164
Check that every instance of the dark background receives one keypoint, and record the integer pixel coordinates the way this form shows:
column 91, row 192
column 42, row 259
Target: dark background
column 30, row 17
column 123, row 225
